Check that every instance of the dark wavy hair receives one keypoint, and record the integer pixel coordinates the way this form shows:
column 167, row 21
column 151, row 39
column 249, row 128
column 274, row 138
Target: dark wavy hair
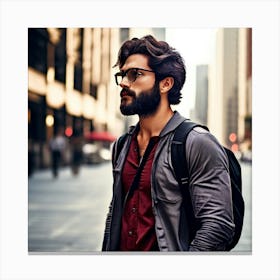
column 163, row 59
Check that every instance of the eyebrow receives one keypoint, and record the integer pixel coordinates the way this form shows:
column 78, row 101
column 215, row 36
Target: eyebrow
column 137, row 68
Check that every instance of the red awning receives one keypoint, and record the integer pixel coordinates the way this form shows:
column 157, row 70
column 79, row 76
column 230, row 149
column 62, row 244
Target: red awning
column 100, row 136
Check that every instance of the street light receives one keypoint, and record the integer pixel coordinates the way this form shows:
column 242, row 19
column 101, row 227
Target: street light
column 49, row 120
column 232, row 137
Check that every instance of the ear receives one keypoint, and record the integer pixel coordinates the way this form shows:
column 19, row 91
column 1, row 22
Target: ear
column 166, row 84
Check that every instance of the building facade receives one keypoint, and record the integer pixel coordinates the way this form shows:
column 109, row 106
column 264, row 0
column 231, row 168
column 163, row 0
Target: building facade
column 200, row 112
column 71, row 84
column 230, row 93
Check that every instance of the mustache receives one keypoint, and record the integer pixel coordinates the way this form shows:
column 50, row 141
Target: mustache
column 127, row 92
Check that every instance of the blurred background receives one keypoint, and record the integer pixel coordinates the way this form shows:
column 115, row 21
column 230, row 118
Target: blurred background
column 73, row 107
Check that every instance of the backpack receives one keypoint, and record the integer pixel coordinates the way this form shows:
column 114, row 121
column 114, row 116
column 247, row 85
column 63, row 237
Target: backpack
column 179, row 163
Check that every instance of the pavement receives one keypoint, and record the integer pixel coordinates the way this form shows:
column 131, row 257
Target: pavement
column 245, row 242
column 67, row 214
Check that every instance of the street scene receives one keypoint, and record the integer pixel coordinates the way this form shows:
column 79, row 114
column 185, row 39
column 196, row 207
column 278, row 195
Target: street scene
column 74, row 116
column 67, row 214
column 72, row 84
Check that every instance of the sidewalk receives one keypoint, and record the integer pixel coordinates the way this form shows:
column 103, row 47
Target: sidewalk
column 68, row 214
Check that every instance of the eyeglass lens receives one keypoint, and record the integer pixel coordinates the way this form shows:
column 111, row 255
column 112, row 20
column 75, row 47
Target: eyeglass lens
column 131, row 76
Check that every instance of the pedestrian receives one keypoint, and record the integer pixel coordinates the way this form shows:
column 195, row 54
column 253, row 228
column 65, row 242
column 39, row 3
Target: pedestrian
column 76, row 143
column 57, row 147
column 147, row 215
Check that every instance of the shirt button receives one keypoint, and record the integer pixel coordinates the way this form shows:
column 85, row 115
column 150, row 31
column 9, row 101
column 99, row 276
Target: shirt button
column 133, row 210
column 130, row 232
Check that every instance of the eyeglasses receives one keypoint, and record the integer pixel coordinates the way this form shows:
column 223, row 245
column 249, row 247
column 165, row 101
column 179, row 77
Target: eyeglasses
column 131, row 74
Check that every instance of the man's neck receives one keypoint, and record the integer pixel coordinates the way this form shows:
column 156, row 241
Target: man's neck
column 152, row 125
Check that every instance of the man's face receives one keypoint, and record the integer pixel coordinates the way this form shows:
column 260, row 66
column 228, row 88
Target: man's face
column 141, row 96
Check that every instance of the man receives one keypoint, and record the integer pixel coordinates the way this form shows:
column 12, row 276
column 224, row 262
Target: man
column 57, row 147
column 147, row 216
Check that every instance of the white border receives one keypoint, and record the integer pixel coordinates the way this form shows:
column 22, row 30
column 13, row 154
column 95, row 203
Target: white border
column 17, row 16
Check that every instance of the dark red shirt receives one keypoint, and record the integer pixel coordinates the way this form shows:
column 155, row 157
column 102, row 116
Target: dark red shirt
column 138, row 222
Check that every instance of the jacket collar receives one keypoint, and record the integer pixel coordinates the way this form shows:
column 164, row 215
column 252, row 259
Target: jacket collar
column 169, row 127
column 172, row 123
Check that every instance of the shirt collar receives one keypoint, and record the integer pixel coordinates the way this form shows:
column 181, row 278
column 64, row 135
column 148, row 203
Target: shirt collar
column 174, row 121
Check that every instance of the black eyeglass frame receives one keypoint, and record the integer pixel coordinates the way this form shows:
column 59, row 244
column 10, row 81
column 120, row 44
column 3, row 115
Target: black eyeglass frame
column 124, row 74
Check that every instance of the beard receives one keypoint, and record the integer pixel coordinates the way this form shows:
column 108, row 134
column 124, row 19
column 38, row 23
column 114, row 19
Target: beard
column 145, row 104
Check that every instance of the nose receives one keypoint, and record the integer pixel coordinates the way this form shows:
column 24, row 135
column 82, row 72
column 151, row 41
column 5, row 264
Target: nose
column 124, row 82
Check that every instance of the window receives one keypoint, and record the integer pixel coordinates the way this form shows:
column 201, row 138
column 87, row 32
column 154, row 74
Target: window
column 60, row 57
column 78, row 68
column 37, row 48
column 93, row 90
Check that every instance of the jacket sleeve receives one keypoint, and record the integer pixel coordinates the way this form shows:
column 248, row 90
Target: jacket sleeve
column 109, row 214
column 107, row 229
column 210, row 191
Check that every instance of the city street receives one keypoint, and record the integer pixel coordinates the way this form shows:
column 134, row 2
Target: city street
column 245, row 242
column 67, row 214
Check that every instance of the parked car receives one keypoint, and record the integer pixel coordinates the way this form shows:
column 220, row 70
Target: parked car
column 98, row 147
column 94, row 153
column 246, row 156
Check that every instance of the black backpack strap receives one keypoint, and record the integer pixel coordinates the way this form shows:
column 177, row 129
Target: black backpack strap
column 136, row 180
column 118, row 147
column 179, row 163
column 178, row 152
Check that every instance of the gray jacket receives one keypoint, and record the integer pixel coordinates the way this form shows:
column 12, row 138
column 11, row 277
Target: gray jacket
column 210, row 190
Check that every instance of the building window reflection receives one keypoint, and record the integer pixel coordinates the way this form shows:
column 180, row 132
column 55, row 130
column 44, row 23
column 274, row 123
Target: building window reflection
column 60, row 57
column 37, row 48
